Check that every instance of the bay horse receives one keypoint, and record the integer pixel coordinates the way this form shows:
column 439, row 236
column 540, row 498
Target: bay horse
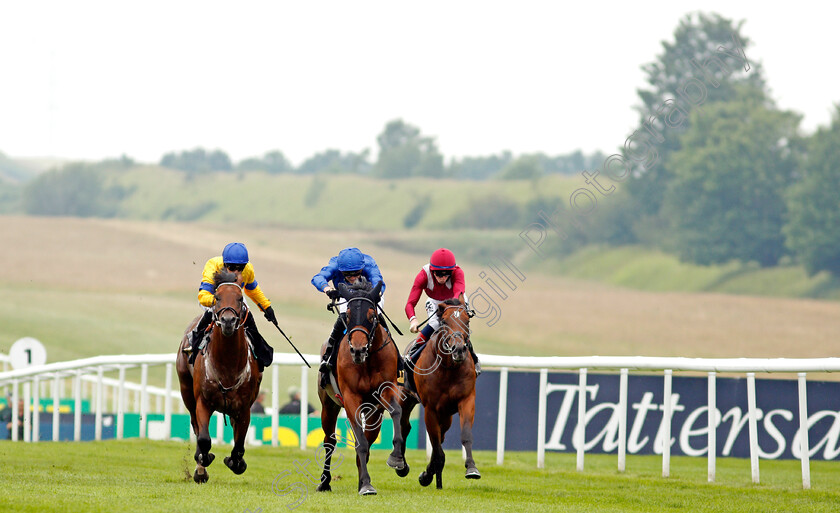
column 224, row 378
column 444, row 378
column 366, row 374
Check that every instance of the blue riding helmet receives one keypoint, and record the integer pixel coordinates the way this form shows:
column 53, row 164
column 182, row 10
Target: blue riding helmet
column 235, row 253
column 350, row 259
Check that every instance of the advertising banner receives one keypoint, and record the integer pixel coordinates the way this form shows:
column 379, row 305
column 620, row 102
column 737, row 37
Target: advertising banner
column 776, row 401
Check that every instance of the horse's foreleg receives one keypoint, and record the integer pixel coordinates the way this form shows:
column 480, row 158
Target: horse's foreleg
column 236, row 460
column 405, row 428
column 435, row 466
column 396, row 460
column 466, row 411
column 329, row 416
column 354, row 416
column 203, row 456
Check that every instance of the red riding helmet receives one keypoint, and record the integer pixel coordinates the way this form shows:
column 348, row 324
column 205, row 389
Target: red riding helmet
column 442, row 259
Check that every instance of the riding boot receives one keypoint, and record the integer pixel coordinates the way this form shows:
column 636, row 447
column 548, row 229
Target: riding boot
column 475, row 360
column 328, row 362
column 197, row 334
column 416, row 350
column 263, row 351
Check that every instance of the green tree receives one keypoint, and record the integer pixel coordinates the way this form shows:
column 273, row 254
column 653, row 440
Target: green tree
column 526, row 167
column 726, row 198
column 197, row 161
column 273, row 162
column 478, row 168
column 705, row 51
column 334, row 162
column 813, row 227
column 404, row 152
column 74, row 190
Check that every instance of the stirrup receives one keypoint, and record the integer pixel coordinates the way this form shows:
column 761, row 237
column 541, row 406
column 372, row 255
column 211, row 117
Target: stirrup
column 325, row 367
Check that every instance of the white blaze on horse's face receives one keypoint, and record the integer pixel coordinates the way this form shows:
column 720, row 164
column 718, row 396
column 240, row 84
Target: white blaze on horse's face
column 455, row 332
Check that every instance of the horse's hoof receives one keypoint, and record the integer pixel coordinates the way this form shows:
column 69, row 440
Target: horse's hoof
column 324, row 487
column 238, row 467
column 473, row 473
column 402, row 472
column 200, row 476
column 367, row 490
column 209, row 459
column 425, row 478
column 396, row 462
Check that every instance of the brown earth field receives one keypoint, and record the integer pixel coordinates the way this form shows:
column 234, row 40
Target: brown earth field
column 88, row 286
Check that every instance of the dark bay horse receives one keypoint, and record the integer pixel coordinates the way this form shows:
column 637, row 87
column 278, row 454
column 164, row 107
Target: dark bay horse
column 366, row 376
column 445, row 382
column 225, row 377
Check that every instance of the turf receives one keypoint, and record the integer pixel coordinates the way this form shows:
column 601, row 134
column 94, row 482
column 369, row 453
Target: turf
column 155, row 476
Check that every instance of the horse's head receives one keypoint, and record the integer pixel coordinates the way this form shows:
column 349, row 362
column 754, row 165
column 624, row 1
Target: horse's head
column 362, row 318
column 454, row 331
column 230, row 311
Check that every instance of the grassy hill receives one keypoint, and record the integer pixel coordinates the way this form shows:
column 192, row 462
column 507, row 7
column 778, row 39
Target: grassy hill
column 645, row 269
column 331, row 202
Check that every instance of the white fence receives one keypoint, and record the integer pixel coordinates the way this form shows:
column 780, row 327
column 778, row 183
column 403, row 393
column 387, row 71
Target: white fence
column 93, row 369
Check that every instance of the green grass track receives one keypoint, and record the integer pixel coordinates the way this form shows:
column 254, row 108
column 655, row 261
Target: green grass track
column 145, row 476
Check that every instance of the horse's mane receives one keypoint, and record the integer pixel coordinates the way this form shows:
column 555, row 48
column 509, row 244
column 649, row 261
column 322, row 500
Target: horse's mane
column 223, row 276
column 361, row 285
column 453, row 301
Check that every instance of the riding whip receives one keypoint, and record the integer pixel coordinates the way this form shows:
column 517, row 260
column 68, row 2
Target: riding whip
column 389, row 320
column 290, row 343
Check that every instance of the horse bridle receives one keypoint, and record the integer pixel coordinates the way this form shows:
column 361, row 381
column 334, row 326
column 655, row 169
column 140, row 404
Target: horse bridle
column 463, row 335
column 240, row 315
column 369, row 333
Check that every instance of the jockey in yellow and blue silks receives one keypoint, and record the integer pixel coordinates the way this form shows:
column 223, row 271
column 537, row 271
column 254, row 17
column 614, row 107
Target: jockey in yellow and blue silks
column 350, row 266
column 235, row 259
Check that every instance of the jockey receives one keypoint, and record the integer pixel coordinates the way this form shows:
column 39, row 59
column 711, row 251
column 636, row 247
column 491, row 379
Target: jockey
column 351, row 266
column 441, row 279
column 235, row 259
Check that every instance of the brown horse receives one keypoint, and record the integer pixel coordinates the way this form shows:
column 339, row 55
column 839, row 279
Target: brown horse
column 445, row 383
column 366, row 377
column 225, row 377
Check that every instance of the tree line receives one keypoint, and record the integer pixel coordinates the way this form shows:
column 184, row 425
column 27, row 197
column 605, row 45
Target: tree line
column 404, row 152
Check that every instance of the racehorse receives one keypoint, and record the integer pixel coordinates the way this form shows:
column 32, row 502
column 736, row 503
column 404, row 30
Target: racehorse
column 366, row 377
column 445, row 383
column 225, row 377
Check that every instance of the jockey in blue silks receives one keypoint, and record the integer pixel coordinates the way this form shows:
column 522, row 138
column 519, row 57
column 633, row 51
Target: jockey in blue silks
column 351, row 266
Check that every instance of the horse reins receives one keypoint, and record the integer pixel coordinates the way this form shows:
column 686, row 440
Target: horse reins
column 375, row 323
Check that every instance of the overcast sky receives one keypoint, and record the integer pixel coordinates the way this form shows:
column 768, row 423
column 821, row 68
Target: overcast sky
column 89, row 80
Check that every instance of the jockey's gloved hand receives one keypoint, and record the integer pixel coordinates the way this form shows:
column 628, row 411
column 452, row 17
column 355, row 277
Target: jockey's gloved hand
column 332, row 293
column 413, row 327
column 269, row 315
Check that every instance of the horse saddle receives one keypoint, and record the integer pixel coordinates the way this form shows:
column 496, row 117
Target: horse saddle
column 330, row 386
